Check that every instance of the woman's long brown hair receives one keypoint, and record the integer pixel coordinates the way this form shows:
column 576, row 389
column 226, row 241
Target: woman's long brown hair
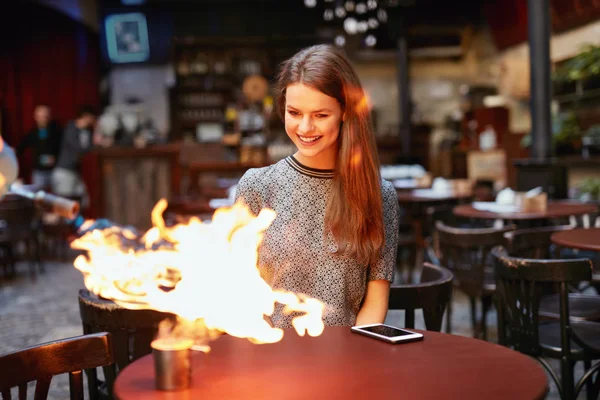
column 354, row 211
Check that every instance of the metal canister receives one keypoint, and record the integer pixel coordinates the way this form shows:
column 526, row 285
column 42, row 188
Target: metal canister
column 172, row 363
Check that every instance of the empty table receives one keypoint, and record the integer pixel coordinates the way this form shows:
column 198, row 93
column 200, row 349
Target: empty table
column 581, row 239
column 555, row 209
column 343, row 365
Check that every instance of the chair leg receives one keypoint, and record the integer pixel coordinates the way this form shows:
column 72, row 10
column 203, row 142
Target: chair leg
column 449, row 317
column 596, row 387
column 30, row 256
column 593, row 389
column 474, row 316
column 486, row 302
column 10, row 259
column 566, row 372
column 411, row 259
column 552, row 374
column 38, row 253
column 589, row 386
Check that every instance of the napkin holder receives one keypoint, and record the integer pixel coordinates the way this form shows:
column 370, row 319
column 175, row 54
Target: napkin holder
column 424, row 181
column 462, row 185
column 537, row 203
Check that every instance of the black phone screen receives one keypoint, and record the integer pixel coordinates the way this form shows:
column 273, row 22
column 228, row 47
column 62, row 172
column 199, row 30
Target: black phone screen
column 386, row 331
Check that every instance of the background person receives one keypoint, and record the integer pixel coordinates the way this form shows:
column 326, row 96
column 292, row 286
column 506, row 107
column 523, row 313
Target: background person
column 44, row 140
column 76, row 142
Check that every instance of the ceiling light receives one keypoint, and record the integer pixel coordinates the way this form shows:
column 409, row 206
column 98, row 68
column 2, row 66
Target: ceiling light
column 328, row 15
column 362, row 26
column 382, row 15
column 310, row 3
column 372, row 4
column 340, row 40
column 370, row 40
column 373, row 23
column 361, row 8
column 349, row 5
column 351, row 26
column 340, row 12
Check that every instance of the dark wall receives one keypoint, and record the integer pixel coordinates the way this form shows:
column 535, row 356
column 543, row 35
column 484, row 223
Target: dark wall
column 245, row 18
column 223, row 19
column 45, row 57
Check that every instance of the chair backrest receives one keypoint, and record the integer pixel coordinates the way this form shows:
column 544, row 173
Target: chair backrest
column 431, row 295
column 465, row 252
column 18, row 217
column 132, row 332
column 590, row 220
column 443, row 213
column 520, row 283
column 532, row 242
column 40, row 363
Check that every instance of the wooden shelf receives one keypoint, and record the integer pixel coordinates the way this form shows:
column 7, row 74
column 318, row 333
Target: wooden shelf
column 591, row 94
column 193, row 124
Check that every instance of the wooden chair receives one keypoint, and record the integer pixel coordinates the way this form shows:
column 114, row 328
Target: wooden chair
column 465, row 252
column 41, row 362
column 431, row 295
column 433, row 214
column 407, row 248
column 132, row 332
column 520, row 285
column 535, row 243
column 19, row 222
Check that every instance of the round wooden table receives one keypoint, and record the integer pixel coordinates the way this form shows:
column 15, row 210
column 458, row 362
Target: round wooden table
column 581, row 239
column 344, row 365
column 555, row 209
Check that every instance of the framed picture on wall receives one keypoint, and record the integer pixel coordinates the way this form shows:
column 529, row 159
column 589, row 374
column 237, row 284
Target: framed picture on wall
column 127, row 38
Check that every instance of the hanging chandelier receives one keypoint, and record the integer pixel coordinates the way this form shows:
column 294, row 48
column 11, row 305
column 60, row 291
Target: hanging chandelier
column 357, row 17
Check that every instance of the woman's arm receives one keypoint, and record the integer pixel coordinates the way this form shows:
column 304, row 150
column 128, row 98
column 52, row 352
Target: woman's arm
column 375, row 305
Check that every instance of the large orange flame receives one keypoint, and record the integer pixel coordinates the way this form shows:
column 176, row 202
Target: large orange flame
column 198, row 271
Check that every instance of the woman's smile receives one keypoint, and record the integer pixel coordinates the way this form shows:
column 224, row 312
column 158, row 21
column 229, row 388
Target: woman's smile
column 309, row 140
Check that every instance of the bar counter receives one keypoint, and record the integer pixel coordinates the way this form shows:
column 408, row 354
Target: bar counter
column 124, row 183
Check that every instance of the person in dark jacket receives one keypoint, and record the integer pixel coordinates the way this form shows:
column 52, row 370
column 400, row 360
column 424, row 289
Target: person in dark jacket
column 44, row 140
column 76, row 142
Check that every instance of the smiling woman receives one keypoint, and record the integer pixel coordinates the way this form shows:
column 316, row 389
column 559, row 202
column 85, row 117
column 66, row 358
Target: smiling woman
column 335, row 234
column 312, row 121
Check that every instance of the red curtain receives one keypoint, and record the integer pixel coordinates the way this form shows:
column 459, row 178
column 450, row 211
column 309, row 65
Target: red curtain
column 45, row 57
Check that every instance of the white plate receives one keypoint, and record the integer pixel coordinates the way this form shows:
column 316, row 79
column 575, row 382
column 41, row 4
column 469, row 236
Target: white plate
column 404, row 183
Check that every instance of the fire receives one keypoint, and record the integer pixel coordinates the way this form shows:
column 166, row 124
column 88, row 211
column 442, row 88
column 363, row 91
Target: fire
column 365, row 104
column 202, row 272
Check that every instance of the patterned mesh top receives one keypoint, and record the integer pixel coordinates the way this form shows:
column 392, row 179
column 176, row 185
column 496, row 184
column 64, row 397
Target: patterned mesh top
column 297, row 254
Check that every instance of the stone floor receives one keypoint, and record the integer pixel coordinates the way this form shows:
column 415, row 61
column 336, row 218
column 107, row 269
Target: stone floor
column 46, row 309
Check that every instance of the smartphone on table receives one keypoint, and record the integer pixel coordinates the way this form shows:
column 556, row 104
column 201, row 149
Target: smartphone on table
column 387, row 333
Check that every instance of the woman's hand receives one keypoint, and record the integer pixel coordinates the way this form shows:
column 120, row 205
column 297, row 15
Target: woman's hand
column 375, row 305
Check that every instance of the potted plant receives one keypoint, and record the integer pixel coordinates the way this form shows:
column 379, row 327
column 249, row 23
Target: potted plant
column 591, row 140
column 566, row 134
column 589, row 189
column 583, row 70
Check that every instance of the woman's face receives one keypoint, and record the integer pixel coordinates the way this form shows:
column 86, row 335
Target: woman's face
column 312, row 121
